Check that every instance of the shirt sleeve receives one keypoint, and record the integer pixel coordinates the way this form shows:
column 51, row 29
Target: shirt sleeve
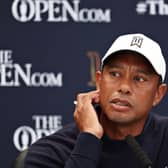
column 86, row 152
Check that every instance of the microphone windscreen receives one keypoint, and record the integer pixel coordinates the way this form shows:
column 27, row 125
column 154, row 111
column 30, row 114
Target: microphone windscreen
column 140, row 154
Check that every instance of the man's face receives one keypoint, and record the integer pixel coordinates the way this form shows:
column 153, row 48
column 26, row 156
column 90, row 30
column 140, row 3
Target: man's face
column 128, row 88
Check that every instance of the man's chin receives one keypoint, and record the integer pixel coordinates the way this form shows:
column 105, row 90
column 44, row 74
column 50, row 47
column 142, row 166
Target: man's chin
column 121, row 119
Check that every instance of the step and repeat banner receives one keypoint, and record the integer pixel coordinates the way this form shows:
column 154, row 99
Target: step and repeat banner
column 49, row 52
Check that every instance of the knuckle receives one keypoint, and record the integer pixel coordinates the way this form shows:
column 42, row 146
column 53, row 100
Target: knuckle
column 80, row 95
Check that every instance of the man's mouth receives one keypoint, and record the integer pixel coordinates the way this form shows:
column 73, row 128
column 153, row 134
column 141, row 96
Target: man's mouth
column 120, row 104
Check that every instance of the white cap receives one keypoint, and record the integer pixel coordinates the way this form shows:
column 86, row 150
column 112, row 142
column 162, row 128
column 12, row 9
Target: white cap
column 142, row 45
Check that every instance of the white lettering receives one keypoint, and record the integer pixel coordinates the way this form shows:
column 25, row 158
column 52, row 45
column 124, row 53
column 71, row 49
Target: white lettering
column 57, row 11
column 52, row 11
column 35, row 79
column 83, row 15
column 5, row 56
column 56, row 80
column 156, row 7
column 40, row 8
column 44, row 125
column 44, row 122
column 152, row 6
column 20, row 10
column 23, row 137
column 25, row 76
column 104, row 16
column 6, row 75
column 14, row 75
column 68, row 9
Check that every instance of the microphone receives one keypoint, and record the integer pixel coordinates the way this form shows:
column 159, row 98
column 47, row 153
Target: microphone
column 140, row 154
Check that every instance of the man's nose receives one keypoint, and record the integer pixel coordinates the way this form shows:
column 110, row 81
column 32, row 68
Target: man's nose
column 125, row 86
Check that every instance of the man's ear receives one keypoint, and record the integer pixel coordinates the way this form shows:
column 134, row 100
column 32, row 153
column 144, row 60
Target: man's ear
column 162, row 88
column 98, row 79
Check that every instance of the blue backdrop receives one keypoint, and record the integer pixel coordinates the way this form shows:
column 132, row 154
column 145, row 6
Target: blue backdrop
column 49, row 52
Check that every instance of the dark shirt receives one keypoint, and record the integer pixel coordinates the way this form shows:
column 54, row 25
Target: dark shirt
column 70, row 149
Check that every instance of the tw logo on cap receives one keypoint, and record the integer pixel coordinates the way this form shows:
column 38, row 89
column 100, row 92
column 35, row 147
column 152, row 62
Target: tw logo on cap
column 137, row 41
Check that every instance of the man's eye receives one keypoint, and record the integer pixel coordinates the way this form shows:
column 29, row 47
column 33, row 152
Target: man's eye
column 115, row 74
column 139, row 79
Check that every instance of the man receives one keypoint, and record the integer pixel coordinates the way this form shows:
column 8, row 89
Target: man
column 130, row 83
